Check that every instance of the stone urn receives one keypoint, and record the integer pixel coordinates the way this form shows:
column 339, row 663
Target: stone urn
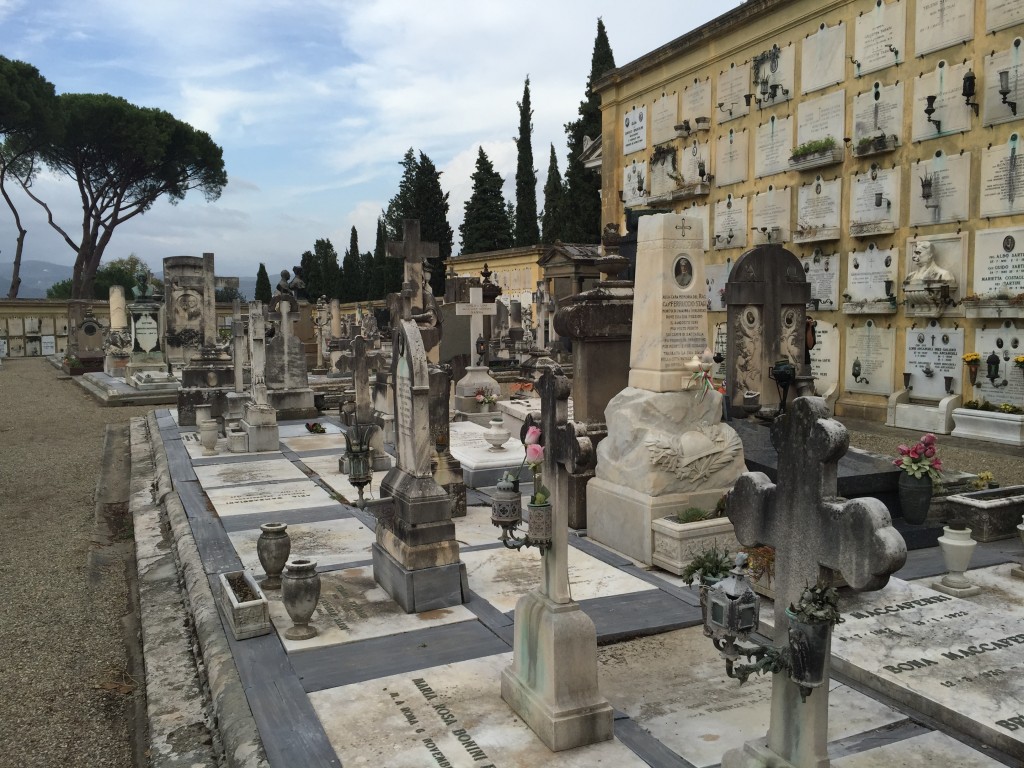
column 915, row 497
column 273, row 547
column 300, row 590
column 957, row 548
column 496, row 434
column 208, row 436
column 204, row 411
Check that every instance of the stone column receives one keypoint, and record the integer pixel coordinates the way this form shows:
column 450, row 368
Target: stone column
column 118, row 309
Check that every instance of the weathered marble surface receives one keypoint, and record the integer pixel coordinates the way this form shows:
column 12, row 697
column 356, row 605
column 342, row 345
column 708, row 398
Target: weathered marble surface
column 248, row 473
column 268, row 498
column 329, row 542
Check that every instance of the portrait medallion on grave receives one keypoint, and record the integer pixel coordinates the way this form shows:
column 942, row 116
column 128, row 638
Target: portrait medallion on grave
column 683, row 272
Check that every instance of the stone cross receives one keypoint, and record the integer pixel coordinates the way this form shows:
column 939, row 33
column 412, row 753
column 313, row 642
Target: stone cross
column 476, row 308
column 414, row 252
column 815, row 534
column 258, row 353
column 238, row 333
column 359, row 360
column 209, row 302
column 566, row 449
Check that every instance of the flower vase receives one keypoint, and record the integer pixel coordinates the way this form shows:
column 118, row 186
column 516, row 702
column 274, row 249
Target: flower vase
column 809, row 650
column 300, row 590
column 540, row 524
column 957, row 547
column 273, row 547
column 496, row 435
column 972, row 370
column 208, row 436
column 915, row 497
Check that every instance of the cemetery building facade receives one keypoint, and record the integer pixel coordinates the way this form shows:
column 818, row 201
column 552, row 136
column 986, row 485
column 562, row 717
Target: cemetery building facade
column 877, row 141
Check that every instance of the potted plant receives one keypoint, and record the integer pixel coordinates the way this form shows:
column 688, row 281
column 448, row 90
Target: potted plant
column 815, row 152
column 973, row 362
column 811, row 620
column 921, row 467
column 485, row 398
column 709, row 567
column 677, row 539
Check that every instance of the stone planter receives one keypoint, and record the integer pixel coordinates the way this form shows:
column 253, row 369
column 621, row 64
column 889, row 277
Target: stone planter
column 246, row 616
column 915, row 497
column 300, row 590
column 273, row 547
column 208, row 437
column 995, row 427
column 818, row 159
column 676, row 544
column 991, row 514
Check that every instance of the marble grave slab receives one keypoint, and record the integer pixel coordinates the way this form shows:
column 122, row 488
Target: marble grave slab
column 329, row 542
column 266, row 498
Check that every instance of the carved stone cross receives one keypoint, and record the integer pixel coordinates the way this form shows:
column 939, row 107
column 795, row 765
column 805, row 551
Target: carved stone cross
column 359, row 360
column 476, row 308
column 414, row 252
column 816, row 535
column 258, row 352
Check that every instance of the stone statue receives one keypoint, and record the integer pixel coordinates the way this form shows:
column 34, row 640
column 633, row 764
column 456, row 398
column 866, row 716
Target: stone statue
column 144, row 289
column 927, row 270
column 283, row 286
column 297, row 284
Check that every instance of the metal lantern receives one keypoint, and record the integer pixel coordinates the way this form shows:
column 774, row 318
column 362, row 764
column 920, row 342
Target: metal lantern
column 507, row 506
column 732, row 606
column 357, row 451
column 541, row 525
column 992, row 363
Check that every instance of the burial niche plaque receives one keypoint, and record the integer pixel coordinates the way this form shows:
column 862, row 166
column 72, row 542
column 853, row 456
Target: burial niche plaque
column 940, row 190
column 773, row 144
column 931, row 354
column 871, row 281
column 731, row 158
column 1003, row 82
column 880, row 37
column 731, row 223
column 942, row 23
column 663, row 118
column 870, row 350
column 999, row 263
column 634, row 130
column 823, row 62
column 1002, row 179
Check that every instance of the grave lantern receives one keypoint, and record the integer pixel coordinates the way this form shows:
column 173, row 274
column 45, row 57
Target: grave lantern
column 357, row 451
column 507, row 514
column 783, row 373
column 730, row 608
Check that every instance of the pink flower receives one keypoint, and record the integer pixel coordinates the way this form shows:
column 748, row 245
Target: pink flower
column 534, row 453
column 937, row 465
column 928, row 439
column 915, row 452
column 532, row 436
column 479, row 398
column 904, row 450
column 929, row 451
column 898, row 462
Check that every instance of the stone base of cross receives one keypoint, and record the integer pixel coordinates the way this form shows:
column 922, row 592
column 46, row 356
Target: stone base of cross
column 815, row 534
column 552, row 681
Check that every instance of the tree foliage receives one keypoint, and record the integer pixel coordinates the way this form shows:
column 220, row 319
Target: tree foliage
column 125, row 272
column 420, row 197
column 526, row 229
column 264, row 292
column 552, row 218
column 351, row 286
column 28, row 121
column 123, row 158
column 381, row 271
column 485, row 226
column 320, row 270
column 582, row 210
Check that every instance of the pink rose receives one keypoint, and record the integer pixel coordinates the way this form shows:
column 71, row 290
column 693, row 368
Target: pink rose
column 915, row 452
column 928, row 439
column 532, row 436
column 929, row 451
column 898, row 462
column 479, row 398
column 904, row 450
column 937, row 464
column 534, row 453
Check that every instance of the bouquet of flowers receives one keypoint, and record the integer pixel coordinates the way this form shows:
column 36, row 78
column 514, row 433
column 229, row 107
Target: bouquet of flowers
column 1019, row 361
column 535, row 458
column 972, row 358
column 483, row 395
column 921, row 458
column 315, row 427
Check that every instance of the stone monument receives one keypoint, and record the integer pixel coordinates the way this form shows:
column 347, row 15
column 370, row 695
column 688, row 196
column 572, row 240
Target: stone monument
column 667, row 448
column 447, row 469
column 816, row 535
column 147, row 368
column 118, row 344
column 259, row 422
column 416, row 557
column 552, row 681
column 415, row 253
column 359, row 360
column 478, row 375
column 766, row 299
column 85, row 336
column 185, row 313
column 288, row 389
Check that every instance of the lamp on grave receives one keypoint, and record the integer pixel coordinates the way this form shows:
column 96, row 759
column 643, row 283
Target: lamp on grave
column 730, row 610
column 481, row 350
column 929, row 110
column 357, row 451
column 992, row 365
column 1004, row 90
column 783, row 373
column 968, row 90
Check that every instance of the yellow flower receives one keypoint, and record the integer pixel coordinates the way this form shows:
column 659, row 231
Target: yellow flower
column 972, row 357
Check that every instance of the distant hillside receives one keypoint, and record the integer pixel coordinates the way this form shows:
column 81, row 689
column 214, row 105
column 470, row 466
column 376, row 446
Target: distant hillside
column 36, row 277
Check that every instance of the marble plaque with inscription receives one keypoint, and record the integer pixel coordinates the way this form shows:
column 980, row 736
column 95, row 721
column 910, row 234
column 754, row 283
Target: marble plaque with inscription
column 870, row 351
column 823, row 62
column 994, row 109
column 780, row 71
column 701, row 212
column 822, row 272
column 880, row 37
column 952, row 114
column 664, row 170
column 634, row 130
column 825, row 358
column 771, row 215
column 999, row 262
column 870, row 273
column 818, row 206
column 931, row 354
column 733, row 85
column 821, row 118
column 696, row 100
column 634, row 182
column 663, row 118
column 877, row 111
column 941, row 23
column 694, row 153
column 731, row 158
column 1005, row 342
column 773, row 144
column 950, row 178
column 1002, row 179
column 875, row 201
column 716, row 276
column 1000, row 14
column 731, row 223
column 48, row 345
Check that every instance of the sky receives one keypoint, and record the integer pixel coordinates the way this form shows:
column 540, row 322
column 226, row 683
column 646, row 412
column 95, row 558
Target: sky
column 314, row 104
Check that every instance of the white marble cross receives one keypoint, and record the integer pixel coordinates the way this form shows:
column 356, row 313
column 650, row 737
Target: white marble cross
column 815, row 534
column 476, row 309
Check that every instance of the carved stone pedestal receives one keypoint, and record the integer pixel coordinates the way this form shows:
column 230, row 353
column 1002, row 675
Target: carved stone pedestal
column 552, row 681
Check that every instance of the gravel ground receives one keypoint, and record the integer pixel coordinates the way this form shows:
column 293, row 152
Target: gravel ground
column 66, row 693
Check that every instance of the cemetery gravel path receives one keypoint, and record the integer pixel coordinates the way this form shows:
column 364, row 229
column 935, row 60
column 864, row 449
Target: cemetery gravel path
column 65, row 692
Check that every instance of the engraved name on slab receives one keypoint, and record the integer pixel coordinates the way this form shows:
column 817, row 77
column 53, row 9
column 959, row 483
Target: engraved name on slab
column 773, row 144
column 880, row 37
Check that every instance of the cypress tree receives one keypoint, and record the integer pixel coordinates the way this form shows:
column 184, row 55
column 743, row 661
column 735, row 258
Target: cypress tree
column 379, row 285
column 526, row 229
column 352, row 270
column 485, row 226
column 327, row 265
column 263, row 291
column 582, row 198
column 552, row 217
column 431, row 208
